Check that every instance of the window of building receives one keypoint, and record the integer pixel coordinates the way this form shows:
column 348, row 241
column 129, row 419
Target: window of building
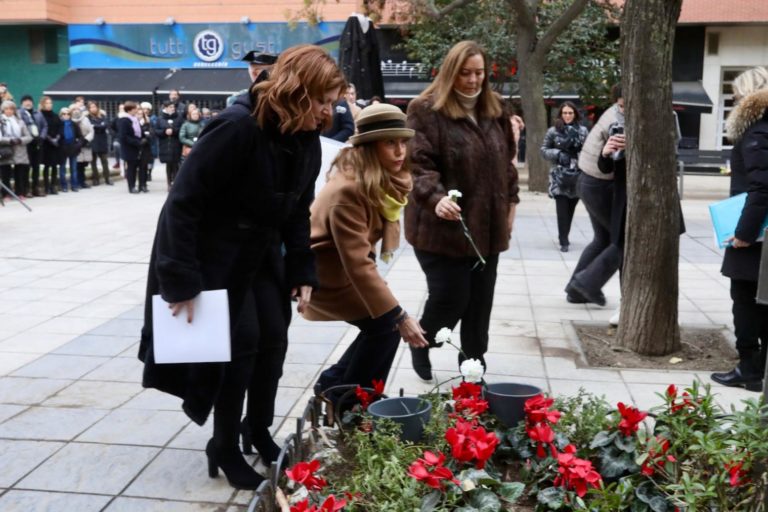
column 726, row 103
column 43, row 46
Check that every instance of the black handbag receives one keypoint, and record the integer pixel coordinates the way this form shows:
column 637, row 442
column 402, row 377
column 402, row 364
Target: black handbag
column 6, row 152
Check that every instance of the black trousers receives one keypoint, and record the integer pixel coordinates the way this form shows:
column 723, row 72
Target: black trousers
column 171, row 168
column 34, row 153
column 601, row 258
column 750, row 322
column 565, row 207
column 459, row 292
column 131, row 170
column 99, row 157
column 369, row 357
column 274, row 312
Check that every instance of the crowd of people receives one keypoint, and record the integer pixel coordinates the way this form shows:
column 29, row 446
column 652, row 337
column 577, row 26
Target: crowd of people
column 44, row 151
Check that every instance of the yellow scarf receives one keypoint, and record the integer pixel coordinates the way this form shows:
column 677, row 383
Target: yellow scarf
column 391, row 210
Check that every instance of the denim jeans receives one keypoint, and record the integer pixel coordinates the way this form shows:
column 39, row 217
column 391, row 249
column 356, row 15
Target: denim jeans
column 72, row 172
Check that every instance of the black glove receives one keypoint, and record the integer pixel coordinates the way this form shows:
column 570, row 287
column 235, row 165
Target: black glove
column 144, row 142
column 564, row 159
column 16, row 141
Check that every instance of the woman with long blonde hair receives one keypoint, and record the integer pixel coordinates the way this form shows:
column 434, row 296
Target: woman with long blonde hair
column 242, row 193
column 463, row 142
column 358, row 207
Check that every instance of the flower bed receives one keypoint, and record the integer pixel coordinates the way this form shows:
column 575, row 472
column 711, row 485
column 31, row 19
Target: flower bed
column 574, row 453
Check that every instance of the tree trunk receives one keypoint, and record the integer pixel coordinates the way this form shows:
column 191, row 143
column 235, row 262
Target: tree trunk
column 531, row 97
column 650, row 279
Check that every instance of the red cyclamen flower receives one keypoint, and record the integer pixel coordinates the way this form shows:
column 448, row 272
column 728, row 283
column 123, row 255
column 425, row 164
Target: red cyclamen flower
column 378, row 387
column 304, row 474
column 303, row 506
column 471, row 442
column 630, row 419
column 576, row 474
column 736, row 474
column 471, row 406
column 434, row 477
column 542, row 435
column 467, row 390
column 537, row 410
column 657, row 455
column 364, row 397
column 331, row 504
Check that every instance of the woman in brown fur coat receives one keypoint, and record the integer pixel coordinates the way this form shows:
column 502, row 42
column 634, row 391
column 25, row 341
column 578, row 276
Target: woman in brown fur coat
column 463, row 141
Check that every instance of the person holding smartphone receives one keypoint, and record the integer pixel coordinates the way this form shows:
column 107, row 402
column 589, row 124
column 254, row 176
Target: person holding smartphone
column 596, row 188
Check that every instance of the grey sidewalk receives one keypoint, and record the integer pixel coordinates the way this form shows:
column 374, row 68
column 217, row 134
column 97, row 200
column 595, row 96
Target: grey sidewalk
column 78, row 433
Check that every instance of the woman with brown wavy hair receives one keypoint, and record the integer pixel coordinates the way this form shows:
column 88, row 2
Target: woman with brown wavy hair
column 359, row 206
column 243, row 193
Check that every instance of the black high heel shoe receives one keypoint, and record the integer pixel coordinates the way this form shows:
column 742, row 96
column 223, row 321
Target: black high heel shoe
column 421, row 363
column 262, row 441
column 239, row 474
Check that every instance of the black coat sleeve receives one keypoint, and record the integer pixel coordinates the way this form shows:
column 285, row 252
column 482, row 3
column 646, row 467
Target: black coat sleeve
column 299, row 258
column 126, row 134
column 755, row 154
column 207, row 176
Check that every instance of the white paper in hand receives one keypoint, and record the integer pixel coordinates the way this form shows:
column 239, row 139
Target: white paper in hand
column 205, row 340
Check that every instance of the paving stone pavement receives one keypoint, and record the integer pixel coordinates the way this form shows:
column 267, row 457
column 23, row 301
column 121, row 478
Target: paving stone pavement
column 78, row 432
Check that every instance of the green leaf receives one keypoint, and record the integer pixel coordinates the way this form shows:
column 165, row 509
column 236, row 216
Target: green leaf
column 430, row 501
column 485, row 500
column 552, row 497
column 614, row 463
column 480, row 477
column 603, row 438
column 645, row 492
column 511, row 491
column 466, row 509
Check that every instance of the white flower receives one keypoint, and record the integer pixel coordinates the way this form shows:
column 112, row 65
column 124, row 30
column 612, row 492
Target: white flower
column 454, row 195
column 472, row 370
column 468, row 485
column 443, row 335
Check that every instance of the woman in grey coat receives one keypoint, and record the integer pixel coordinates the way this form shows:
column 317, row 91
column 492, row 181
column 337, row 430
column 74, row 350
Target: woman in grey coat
column 562, row 145
column 14, row 133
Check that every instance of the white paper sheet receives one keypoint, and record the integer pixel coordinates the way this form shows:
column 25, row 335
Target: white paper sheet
column 205, row 340
column 329, row 150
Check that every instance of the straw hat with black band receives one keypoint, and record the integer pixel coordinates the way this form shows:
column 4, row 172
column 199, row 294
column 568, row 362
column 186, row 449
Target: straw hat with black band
column 378, row 122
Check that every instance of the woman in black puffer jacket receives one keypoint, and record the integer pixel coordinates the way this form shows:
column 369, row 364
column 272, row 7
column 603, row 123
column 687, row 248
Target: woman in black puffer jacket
column 562, row 145
column 748, row 129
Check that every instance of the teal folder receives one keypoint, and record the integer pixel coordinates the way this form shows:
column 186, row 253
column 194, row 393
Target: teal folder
column 725, row 216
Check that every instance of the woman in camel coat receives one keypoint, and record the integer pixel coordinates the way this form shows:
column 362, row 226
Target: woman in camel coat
column 360, row 205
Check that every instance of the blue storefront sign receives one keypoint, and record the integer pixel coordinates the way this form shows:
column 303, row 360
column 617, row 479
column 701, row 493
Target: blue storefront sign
column 193, row 45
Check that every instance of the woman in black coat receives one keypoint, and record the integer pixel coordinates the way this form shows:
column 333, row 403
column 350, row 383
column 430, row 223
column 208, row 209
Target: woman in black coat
column 100, row 143
column 244, row 191
column 748, row 129
column 169, row 145
column 51, row 149
column 131, row 142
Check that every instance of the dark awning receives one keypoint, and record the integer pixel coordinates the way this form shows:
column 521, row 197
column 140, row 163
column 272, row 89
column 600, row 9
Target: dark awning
column 690, row 97
column 108, row 82
column 408, row 89
column 686, row 96
column 206, row 81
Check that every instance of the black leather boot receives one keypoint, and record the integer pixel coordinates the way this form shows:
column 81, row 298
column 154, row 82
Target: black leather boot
column 239, row 474
column 260, row 439
column 735, row 378
column 421, row 364
column 576, row 289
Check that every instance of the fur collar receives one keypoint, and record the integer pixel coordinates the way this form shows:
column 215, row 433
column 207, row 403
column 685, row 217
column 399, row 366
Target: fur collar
column 749, row 110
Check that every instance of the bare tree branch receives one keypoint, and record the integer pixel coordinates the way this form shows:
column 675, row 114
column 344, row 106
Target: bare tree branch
column 560, row 24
